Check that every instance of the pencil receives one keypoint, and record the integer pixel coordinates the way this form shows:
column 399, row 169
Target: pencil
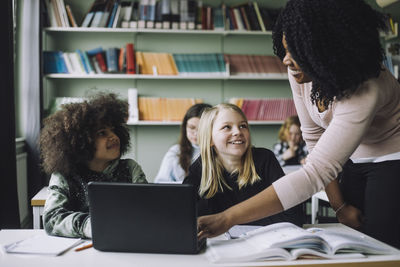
column 84, row 247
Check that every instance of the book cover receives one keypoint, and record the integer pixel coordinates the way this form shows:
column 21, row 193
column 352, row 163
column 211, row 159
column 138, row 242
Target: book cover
column 110, row 22
column 82, row 59
column 175, row 16
column 57, row 13
column 71, row 16
column 51, row 13
column 97, row 19
column 102, row 62
column 130, row 59
column 253, row 20
column 62, row 13
column 133, row 105
column 112, row 60
column 117, row 18
column 49, row 62
column 166, row 14
column 151, row 14
column 259, row 18
column 68, row 63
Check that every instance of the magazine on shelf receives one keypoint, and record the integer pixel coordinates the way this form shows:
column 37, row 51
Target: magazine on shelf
column 286, row 241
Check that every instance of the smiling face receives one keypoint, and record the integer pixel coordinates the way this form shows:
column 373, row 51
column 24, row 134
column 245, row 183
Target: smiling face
column 191, row 129
column 107, row 148
column 294, row 68
column 230, row 135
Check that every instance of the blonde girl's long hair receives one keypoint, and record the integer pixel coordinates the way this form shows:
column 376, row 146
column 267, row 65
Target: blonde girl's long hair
column 212, row 179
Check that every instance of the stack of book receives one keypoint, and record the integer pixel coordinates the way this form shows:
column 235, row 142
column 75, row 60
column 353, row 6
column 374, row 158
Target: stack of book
column 164, row 14
column 277, row 109
column 259, row 65
column 201, row 64
column 59, row 14
column 156, row 63
column 164, row 109
column 94, row 61
column 125, row 60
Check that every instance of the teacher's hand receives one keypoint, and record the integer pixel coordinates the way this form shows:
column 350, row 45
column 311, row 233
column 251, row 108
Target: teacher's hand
column 350, row 216
column 212, row 225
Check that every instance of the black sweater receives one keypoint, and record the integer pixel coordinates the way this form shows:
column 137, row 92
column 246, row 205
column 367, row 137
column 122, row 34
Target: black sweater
column 268, row 169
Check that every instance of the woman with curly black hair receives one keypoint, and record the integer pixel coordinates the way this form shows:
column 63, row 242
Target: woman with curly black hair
column 349, row 108
column 80, row 143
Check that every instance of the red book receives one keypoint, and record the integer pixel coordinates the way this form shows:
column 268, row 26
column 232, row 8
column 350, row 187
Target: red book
column 130, row 59
column 101, row 61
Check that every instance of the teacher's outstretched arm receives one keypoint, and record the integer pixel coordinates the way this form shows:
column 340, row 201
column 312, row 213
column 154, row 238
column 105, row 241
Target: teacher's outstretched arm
column 265, row 203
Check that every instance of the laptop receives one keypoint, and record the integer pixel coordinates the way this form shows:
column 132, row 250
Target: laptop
column 145, row 218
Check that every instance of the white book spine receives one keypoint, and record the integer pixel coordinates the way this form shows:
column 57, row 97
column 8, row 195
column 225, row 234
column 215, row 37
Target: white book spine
column 133, row 105
column 68, row 63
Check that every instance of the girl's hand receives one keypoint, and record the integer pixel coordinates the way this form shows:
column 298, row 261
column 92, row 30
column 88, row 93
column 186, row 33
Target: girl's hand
column 212, row 225
column 350, row 216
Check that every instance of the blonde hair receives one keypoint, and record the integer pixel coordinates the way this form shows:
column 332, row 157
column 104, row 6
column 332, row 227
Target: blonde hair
column 212, row 168
column 286, row 126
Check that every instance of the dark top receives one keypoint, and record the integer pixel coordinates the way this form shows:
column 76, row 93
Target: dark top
column 268, row 169
column 281, row 147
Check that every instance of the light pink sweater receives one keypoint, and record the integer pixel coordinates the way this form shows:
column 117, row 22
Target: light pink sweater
column 364, row 125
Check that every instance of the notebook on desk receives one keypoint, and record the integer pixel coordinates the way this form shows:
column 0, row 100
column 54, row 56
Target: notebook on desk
column 150, row 218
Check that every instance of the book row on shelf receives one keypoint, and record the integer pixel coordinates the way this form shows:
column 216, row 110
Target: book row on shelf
column 273, row 109
column 144, row 108
column 164, row 14
column 126, row 60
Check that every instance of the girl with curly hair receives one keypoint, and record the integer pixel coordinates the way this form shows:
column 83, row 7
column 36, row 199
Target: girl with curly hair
column 230, row 169
column 80, row 143
column 176, row 162
column 349, row 108
column 291, row 150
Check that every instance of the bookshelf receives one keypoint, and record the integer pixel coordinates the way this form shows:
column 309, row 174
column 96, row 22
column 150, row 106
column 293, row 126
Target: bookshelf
column 151, row 139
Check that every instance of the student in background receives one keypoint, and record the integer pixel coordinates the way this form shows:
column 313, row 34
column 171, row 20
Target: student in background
column 291, row 150
column 230, row 170
column 80, row 143
column 349, row 108
column 175, row 164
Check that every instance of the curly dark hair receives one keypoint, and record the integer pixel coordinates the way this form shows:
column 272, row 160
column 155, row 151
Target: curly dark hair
column 335, row 42
column 67, row 140
column 186, row 149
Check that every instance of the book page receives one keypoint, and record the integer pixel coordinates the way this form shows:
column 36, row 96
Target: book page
column 306, row 253
column 42, row 244
column 238, row 250
column 345, row 242
column 240, row 230
column 284, row 235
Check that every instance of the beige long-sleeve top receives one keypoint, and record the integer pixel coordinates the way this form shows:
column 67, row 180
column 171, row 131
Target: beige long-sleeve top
column 363, row 126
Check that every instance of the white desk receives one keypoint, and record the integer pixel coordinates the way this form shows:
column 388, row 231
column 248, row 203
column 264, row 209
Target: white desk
column 92, row 257
column 37, row 203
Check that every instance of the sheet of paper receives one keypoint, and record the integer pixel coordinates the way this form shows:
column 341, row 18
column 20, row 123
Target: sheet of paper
column 42, row 244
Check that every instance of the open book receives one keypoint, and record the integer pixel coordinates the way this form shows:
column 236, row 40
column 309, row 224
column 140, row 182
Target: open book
column 286, row 241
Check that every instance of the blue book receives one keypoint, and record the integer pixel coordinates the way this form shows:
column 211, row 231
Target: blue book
column 88, row 63
column 112, row 59
column 97, row 19
column 94, row 51
column 49, row 62
column 112, row 16
column 82, row 58
column 60, row 63
column 87, row 19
